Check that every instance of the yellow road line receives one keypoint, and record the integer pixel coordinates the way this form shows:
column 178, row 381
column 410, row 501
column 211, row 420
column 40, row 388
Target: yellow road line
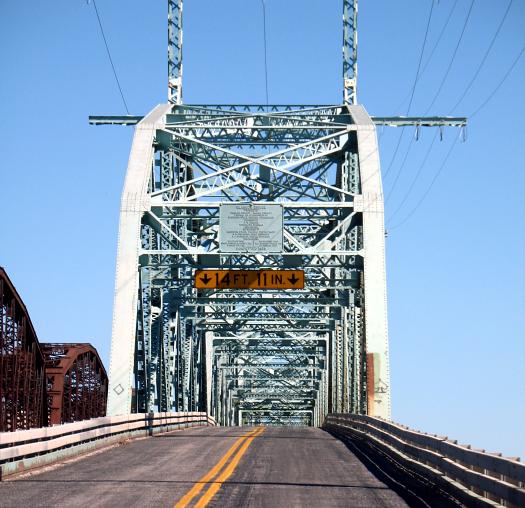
column 227, row 472
column 187, row 498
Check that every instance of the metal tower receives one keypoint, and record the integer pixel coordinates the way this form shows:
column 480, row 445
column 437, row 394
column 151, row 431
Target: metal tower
column 307, row 179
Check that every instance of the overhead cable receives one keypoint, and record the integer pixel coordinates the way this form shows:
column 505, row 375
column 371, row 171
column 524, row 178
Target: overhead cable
column 451, row 60
column 415, row 179
column 413, row 87
column 109, row 56
column 265, row 51
column 431, row 54
column 475, row 112
column 480, row 66
column 429, row 188
column 498, row 86
column 445, row 76
column 420, row 58
column 396, row 179
column 479, row 108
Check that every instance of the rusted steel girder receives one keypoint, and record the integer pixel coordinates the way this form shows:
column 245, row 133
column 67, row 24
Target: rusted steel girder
column 77, row 383
column 23, row 402
column 42, row 384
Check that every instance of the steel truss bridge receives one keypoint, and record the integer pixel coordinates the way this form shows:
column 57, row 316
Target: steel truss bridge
column 253, row 356
column 43, row 384
column 188, row 356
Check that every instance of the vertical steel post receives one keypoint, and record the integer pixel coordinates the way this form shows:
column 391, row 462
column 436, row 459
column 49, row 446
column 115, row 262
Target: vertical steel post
column 350, row 51
column 175, row 51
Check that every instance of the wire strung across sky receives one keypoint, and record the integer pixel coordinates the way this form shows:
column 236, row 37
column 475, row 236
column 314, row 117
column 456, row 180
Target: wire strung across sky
column 483, row 60
column 445, row 76
column 413, row 89
column 109, row 56
column 419, row 72
column 265, row 50
column 440, row 170
column 499, row 85
column 475, row 112
column 415, row 179
column 431, row 54
column 429, row 188
column 447, row 72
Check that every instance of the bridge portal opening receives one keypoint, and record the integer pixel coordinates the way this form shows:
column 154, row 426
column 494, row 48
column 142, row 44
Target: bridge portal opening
column 250, row 276
column 250, row 272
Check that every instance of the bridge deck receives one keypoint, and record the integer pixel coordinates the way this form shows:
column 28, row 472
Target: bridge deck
column 278, row 467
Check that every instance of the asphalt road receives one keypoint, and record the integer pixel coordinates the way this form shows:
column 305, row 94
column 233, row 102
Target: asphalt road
column 214, row 467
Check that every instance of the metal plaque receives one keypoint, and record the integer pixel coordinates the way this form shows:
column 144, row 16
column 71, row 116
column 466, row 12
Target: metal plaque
column 251, row 228
column 249, row 279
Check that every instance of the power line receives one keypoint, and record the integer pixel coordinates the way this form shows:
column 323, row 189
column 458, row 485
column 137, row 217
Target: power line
column 498, row 86
column 452, row 59
column 265, row 50
column 110, row 59
column 483, row 59
column 425, row 66
column 428, row 60
column 447, row 72
column 413, row 87
column 420, row 58
column 416, row 177
column 403, row 162
column 429, row 188
column 481, row 106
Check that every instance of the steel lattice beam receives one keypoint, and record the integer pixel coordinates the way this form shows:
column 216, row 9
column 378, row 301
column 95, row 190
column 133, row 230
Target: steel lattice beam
column 237, row 352
column 23, row 403
column 253, row 356
column 77, row 382
column 175, row 51
column 391, row 121
column 350, row 51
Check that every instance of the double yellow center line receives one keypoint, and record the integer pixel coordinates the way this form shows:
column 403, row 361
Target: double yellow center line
column 220, row 472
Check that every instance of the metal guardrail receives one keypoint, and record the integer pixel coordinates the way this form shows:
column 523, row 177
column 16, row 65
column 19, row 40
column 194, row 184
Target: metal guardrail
column 487, row 479
column 27, row 449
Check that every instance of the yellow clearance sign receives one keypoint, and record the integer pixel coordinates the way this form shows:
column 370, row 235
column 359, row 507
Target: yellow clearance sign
column 249, row 279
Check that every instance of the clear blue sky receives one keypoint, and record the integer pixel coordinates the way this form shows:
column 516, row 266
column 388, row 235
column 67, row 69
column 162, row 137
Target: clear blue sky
column 456, row 268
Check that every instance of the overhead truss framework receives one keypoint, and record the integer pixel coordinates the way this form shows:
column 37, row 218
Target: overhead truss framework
column 251, row 356
column 77, row 383
column 22, row 368
column 43, row 384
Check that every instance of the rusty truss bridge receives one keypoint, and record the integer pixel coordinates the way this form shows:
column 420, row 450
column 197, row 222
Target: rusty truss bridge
column 43, row 384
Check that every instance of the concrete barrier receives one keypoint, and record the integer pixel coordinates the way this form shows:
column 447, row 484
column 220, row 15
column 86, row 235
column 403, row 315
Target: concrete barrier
column 487, row 479
column 28, row 449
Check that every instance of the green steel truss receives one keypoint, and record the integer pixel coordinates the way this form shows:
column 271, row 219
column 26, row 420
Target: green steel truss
column 350, row 51
column 175, row 51
column 253, row 356
column 250, row 355
column 267, row 350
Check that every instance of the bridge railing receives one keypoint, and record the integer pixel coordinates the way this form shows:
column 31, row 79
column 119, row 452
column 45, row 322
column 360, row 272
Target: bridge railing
column 486, row 478
column 27, row 449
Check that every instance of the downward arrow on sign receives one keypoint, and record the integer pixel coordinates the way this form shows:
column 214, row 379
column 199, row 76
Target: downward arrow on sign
column 206, row 279
column 293, row 279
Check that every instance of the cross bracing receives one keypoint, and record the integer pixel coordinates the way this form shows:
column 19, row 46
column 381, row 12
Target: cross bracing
column 256, row 356
column 252, row 355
